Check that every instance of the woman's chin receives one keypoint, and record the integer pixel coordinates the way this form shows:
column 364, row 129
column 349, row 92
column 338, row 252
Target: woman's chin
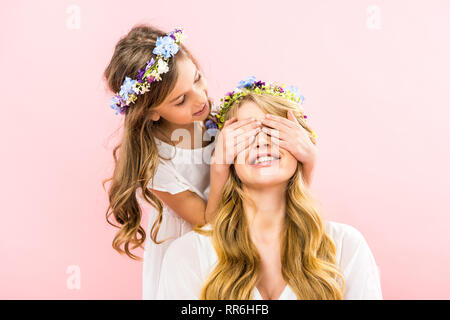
column 264, row 178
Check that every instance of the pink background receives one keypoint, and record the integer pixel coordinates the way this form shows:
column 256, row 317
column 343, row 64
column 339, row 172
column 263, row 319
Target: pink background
column 377, row 95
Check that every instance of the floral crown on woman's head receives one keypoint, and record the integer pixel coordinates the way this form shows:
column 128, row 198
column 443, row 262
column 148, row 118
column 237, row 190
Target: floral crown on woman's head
column 166, row 47
column 250, row 84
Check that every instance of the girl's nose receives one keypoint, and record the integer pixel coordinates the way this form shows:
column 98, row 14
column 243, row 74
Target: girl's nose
column 200, row 96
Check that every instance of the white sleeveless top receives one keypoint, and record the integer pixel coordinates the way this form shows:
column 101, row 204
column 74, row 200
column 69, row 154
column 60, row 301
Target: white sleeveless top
column 191, row 258
column 188, row 169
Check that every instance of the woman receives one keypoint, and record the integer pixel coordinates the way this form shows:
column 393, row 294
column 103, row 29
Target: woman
column 267, row 240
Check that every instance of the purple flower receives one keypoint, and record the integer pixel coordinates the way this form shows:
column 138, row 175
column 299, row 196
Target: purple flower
column 141, row 75
column 149, row 64
column 172, row 33
column 260, row 83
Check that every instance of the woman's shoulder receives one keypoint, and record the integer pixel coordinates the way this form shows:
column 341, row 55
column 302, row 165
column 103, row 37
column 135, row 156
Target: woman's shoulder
column 357, row 262
column 351, row 246
column 191, row 244
column 344, row 233
column 349, row 241
column 185, row 266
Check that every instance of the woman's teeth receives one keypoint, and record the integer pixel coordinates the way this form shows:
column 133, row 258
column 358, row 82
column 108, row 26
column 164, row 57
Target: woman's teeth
column 265, row 159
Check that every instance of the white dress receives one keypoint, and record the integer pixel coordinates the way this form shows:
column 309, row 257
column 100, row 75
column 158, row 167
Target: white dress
column 191, row 258
column 187, row 170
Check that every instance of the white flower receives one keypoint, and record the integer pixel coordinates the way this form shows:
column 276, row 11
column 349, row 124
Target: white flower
column 136, row 87
column 180, row 37
column 155, row 75
column 163, row 67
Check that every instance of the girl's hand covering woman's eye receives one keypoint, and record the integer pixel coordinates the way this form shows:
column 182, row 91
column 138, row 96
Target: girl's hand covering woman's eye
column 291, row 136
column 234, row 137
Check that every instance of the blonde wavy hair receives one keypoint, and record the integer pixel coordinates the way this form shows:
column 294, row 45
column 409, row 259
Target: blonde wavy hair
column 308, row 254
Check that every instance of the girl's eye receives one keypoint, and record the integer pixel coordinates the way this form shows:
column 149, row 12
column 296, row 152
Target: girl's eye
column 199, row 76
column 180, row 103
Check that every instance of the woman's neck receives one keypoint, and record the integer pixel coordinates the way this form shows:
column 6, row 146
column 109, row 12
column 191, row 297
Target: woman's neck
column 266, row 220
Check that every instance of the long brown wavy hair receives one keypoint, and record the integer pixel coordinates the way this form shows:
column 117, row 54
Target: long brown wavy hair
column 308, row 254
column 136, row 156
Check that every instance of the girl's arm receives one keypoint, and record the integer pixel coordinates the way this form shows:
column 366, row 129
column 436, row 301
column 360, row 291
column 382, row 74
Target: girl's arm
column 218, row 177
column 232, row 139
column 187, row 204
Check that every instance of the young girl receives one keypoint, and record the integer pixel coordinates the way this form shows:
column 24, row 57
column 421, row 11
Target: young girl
column 160, row 160
column 268, row 240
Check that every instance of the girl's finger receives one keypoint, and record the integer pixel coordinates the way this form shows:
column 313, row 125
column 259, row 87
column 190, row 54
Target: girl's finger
column 229, row 121
column 246, row 127
column 291, row 117
column 279, row 143
column 277, row 125
column 232, row 139
column 247, row 135
column 275, row 118
column 274, row 133
column 241, row 123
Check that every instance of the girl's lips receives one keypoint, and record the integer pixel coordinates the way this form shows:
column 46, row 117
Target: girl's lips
column 201, row 111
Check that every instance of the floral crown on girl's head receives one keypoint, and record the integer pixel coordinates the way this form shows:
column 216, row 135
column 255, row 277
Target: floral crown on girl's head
column 250, row 84
column 166, row 47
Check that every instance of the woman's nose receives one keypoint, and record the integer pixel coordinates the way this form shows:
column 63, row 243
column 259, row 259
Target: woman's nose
column 262, row 140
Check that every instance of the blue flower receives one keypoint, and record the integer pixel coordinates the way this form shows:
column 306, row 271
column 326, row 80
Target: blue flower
column 294, row 90
column 296, row 93
column 116, row 104
column 166, row 47
column 210, row 124
column 301, row 99
column 127, row 88
column 248, row 82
